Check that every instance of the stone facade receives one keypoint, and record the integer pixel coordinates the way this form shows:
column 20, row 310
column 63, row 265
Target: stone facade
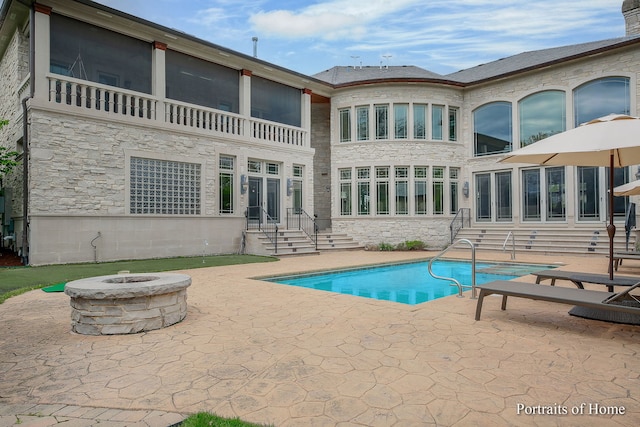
column 321, row 143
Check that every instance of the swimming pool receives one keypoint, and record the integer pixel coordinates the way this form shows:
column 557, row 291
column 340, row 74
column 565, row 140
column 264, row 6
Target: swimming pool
column 407, row 283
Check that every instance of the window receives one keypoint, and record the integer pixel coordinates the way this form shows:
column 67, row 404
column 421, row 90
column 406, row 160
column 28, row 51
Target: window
column 402, row 190
column 345, row 124
column 382, row 190
column 88, row 52
column 453, row 124
column 531, row 197
column 362, row 116
column 400, row 119
column 164, row 187
column 382, row 122
column 200, row 82
column 273, row 169
column 419, row 121
column 420, row 189
column 226, row 166
column 437, row 112
column 364, row 195
column 556, row 207
column 503, row 196
column 254, row 166
column 345, row 191
column 297, row 187
column 438, row 190
column 492, row 129
column 541, row 115
column 275, row 102
column 601, row 97
column 453, row 189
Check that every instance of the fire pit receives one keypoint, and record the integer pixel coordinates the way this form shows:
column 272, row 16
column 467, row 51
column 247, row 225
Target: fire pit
column 127, row 303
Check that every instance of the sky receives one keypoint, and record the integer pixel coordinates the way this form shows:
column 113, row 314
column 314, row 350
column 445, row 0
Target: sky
column 442, row 36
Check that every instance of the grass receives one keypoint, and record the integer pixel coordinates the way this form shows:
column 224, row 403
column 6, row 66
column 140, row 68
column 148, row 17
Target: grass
column 206, row 419
column 17, row 280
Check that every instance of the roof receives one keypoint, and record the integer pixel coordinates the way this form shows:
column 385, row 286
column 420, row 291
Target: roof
column 341, row 75
column 536, row 59
column 346, row 76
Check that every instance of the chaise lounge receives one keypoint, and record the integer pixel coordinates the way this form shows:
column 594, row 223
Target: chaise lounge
column 579, row 279
column 622, row 302
column 619, row 256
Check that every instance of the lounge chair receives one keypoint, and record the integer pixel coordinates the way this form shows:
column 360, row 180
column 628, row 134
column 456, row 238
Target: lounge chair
column 623, row 302
column 619, row 256
column 579, row 279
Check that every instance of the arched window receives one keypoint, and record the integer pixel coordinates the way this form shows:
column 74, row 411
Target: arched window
column 601, row 97
column 492, row 132
column 541, row 115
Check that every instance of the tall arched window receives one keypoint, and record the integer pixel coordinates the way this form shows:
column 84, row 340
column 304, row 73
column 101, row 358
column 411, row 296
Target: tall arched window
column 601, row 97
column 542, row 114
column 492, row 131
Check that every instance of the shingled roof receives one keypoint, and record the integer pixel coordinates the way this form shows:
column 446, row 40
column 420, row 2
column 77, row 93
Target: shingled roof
column 345, row 76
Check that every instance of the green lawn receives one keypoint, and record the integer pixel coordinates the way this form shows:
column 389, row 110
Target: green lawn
column 16, row 280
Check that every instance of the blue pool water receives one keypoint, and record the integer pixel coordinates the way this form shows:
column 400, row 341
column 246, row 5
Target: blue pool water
column 407, row 283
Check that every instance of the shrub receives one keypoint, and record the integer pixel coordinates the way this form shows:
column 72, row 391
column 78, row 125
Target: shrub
column 414, row 245
column 385, row 247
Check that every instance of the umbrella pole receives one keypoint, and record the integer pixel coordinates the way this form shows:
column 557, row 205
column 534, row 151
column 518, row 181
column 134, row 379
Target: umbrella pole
column 611, row 228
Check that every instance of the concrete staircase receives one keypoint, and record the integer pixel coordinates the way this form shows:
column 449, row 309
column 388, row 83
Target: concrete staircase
column 548, row 240
column 296, row 242
column 328, row 241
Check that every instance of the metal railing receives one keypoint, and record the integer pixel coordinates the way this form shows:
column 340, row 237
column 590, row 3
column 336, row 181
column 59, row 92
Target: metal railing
column 297, row 218
column 451, row 279
column 513, row 241
column 258, row 219
column 458, row 221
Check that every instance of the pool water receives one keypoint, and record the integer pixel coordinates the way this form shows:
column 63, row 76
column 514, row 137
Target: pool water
column 407, row 283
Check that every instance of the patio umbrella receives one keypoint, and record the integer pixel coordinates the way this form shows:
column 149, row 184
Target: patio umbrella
column 629, row 189
column 612, row 141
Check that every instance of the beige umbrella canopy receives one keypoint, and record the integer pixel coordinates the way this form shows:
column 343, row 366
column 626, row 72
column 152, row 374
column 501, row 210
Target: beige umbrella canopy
column 630, row 189
column 612, row 141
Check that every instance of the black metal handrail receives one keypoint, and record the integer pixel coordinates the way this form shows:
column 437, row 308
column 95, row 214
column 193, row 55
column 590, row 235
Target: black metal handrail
column 458, row 221
column 258, row 219
column 298, row 218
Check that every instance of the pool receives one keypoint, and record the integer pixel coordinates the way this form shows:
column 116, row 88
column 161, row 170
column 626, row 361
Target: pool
column 407, row 283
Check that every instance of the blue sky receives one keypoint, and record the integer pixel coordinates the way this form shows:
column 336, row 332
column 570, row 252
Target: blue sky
column 442, row 36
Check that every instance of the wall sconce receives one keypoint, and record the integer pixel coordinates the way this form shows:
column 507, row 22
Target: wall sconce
column 289, row 186
column 465, row 189
column 244, row 184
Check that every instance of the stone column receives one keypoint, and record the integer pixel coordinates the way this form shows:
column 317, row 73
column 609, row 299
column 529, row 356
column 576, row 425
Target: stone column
column 159, row 78
column 305, row 115
column 42, row 47
column 245, row 100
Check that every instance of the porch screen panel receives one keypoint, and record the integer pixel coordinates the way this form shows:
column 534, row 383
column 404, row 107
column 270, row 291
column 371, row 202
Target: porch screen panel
column 201, row 82
column 88, row 52
column 275, row 102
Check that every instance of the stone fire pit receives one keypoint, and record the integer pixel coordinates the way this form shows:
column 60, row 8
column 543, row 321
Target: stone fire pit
column 127, row 303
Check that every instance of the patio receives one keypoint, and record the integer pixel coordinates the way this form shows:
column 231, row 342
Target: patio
column 289, row 356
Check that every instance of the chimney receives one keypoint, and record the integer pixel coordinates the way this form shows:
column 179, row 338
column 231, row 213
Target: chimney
column 631, row 13
column 255, row 46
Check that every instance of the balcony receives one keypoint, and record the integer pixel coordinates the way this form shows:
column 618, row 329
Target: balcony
column 118, row 103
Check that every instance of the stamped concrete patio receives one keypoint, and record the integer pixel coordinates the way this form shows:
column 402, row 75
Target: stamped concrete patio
column 289, row 356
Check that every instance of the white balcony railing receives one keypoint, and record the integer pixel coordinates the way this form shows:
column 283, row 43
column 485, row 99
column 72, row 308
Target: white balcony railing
column 275, row 132
column 114, row 101
column 98, row 97
column 209, row 119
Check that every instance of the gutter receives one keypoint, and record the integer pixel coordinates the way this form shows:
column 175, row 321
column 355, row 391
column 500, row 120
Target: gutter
column 25, row 140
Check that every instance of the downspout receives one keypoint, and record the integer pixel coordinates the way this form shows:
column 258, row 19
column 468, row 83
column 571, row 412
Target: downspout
column 25, row 140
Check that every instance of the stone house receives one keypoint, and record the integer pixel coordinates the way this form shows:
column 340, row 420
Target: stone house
column 139, row 141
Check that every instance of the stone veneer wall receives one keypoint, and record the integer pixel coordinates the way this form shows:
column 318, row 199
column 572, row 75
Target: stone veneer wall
column 79, row 187
column 14, row 68
column 321, row 142
column 372, row 229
